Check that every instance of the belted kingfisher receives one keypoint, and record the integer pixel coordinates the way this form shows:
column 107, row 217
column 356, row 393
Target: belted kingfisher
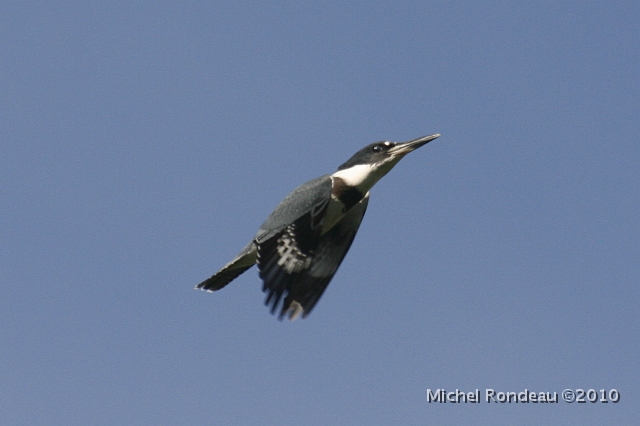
column 302, row 243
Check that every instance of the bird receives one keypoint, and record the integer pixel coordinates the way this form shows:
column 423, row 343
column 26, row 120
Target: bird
column 300, row 246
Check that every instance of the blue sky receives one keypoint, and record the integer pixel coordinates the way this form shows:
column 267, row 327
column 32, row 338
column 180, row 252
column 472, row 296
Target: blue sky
column 143, row 143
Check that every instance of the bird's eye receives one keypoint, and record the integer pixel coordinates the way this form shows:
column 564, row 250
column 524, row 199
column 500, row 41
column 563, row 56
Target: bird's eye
column 382, row 146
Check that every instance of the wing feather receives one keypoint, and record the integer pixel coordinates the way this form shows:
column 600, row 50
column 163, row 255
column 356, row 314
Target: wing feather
column 303, row 267
column 309, row 200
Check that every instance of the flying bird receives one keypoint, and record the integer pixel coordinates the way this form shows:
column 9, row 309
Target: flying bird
column 300, row 246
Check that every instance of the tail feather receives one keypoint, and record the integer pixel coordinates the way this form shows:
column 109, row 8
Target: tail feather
column 243, row 261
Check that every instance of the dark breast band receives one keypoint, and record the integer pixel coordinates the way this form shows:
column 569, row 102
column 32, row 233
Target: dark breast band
column 348, row 195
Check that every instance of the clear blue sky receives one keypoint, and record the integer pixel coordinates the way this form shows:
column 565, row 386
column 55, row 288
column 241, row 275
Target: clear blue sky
column 143, row 143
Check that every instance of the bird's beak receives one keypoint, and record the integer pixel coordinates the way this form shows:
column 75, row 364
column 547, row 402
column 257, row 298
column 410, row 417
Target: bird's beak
column 406, row 147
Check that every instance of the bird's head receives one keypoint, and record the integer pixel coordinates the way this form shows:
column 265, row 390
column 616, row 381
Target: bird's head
column 372, row 162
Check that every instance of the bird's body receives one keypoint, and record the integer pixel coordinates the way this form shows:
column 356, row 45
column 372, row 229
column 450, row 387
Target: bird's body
column 302, row 243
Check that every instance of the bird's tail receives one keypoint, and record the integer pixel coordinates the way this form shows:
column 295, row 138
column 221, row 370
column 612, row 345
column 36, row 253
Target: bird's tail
column 243, row 261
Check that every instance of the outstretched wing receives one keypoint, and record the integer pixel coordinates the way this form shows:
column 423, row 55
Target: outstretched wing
column 297, row 263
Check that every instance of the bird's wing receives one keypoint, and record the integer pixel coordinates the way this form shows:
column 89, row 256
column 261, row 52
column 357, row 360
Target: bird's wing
column 302, row 268
column 309, row 200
